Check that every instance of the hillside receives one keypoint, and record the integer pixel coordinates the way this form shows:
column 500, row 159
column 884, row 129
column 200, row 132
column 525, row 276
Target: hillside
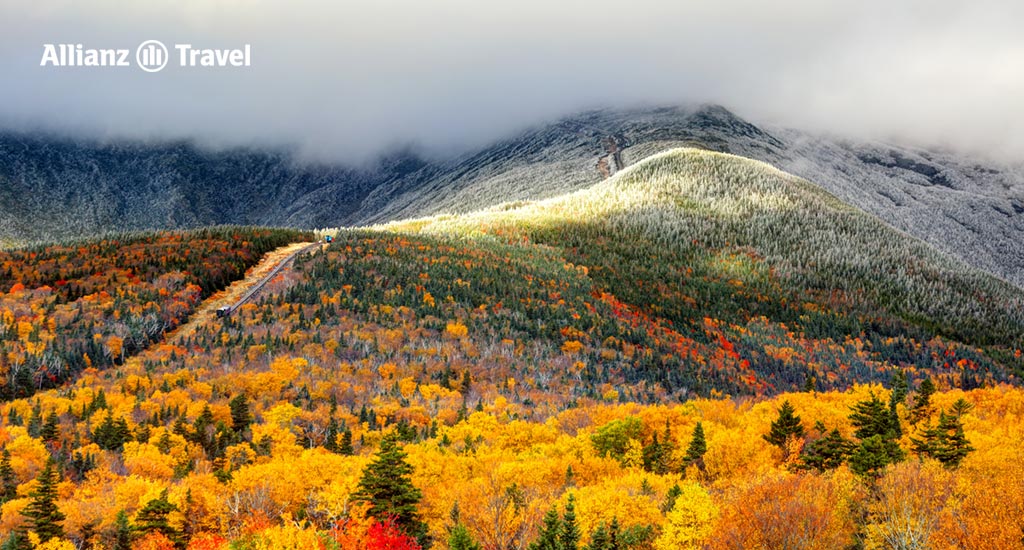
column 625, row 350
column 51, row 187
column 537, row 356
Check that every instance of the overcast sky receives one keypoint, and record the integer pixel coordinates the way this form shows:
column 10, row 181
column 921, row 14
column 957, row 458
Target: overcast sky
column 345, row 80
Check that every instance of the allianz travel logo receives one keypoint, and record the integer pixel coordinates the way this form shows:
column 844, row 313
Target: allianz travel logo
column 151, row 56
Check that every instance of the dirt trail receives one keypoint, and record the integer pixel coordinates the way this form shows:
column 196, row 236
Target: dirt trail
column 234, row 292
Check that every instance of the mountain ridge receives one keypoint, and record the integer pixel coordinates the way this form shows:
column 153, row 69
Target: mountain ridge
column 51, row 188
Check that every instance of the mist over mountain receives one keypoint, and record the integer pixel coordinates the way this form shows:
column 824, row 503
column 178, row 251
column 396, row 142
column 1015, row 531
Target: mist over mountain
column 54, row 187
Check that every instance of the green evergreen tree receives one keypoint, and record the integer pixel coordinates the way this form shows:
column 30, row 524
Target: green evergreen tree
column 241, row 418
column 550, row 530
column 945, row 442
column 50, row 430
column 345, row 445
column 900, row 386
column 123, row 534
column 826, row 453
column 872, row 418
column 570, row 535
column 810, row 383
column 460, row 539
column 952, row 445
column 873, row 454
column 922, row 407
column 877, row 431
column 598, row 538
column 331, row 437
column 8, row 480
column 652, row 454
column 153, row 517
column 45, row 518
column 615, row 535
column 670, row 498
column 111, row 434
column 35, row 419
column 698, row 446
column 17, row 540
column 386, row 485
column 961, row 407
column 786, row 427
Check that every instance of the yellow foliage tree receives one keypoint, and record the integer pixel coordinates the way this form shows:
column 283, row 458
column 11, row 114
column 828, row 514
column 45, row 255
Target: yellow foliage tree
column 690, row 522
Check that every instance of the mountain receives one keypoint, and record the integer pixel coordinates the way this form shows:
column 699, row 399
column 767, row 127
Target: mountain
column 611, row 352
column 54, row 187
column 687, row 235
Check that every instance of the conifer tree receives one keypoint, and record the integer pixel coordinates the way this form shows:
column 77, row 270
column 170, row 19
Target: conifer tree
column 945, row 442
column 42, row 510
column 8, row 480
column 153, row 517
column 241, row 418
column 826, row 453
column 550, row 530
column 878, row 431
column 331, row 437
column 786, row 427
column 387, row 487
column 50, row 430
column 598, row 538
column 345, row 445
column 460, row 539
column 900, row 387
column 615, row 534
column 123, row 532
column 698, row 446
column 952, row 445
column 570, row 535
column 922, row 401
column 810, row 383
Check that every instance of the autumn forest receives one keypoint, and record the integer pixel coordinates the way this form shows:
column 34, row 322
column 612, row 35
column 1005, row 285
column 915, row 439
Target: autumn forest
column 700, row 352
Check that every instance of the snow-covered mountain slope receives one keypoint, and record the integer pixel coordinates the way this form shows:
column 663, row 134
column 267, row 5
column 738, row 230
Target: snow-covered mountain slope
column 51, row 187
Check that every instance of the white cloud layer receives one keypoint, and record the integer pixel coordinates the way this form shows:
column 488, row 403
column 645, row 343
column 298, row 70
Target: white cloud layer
column 345, row 80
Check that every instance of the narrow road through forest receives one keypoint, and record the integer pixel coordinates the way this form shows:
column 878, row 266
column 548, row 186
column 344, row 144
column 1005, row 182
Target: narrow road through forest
column 241, row 290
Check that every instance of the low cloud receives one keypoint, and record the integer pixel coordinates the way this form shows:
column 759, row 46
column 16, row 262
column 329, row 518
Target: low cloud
column 343, row 81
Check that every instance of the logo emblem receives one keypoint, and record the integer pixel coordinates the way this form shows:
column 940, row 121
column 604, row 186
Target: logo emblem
column 151, row 56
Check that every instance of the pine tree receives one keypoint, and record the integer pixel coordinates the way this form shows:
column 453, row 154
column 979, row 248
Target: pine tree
column 331, row 437
column 786, row 427
column 952, row 445
column 945, row 442
column 387, row 487
column 123, row 532
column 922, row 401
column 8, row 480
column 153, row 517
column 698, row 446
column 615, row 535
column 871, row 418
column 670, row 498
column 826, row 453
column 548, row 537
column 961, row 407
column 900, row 387
column 598, row 538
column 878, row 431
column 241, row 418
column 460, row 539
column 875, row 453
column 50, row 430
column 570, row 535
column 345, row 446
column 652, row 454
column 42, row 510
